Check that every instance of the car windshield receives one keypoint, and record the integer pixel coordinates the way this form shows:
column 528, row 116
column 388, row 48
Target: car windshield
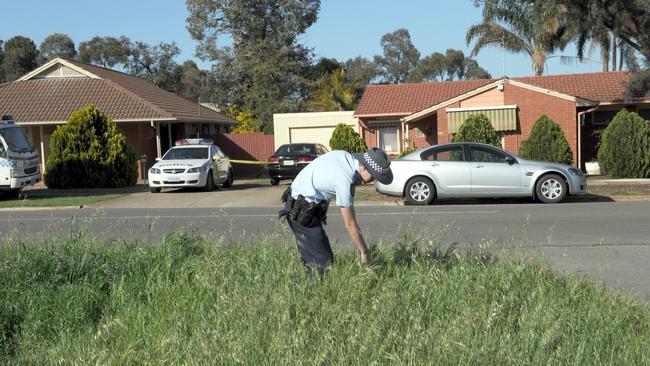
column 187, row 153
column 296, row 149
column 16, row 139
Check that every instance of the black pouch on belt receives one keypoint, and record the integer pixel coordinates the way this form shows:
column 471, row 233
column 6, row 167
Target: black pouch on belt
column 303, row 211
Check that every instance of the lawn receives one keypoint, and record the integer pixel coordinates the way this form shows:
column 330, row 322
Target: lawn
column 57, row 201
column 192, row 301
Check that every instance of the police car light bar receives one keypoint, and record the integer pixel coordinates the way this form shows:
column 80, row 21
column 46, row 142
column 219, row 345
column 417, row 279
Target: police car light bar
column 194, row 142
column 7, row 118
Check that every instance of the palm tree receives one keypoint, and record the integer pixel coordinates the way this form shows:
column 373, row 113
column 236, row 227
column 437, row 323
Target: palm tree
column 335, row 92
column 535, row 28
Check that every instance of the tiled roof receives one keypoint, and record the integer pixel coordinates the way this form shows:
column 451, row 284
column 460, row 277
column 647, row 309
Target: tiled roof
column 406, row 99
column 603, row 87
column 120, row 96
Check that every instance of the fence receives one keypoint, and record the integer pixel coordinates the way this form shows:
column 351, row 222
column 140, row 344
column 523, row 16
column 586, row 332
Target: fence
column 246, row 146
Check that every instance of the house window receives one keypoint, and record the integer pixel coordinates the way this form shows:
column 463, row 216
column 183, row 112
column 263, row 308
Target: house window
column 388, row 138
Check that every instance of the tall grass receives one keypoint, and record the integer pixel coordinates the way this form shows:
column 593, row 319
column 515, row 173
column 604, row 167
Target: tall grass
column 191, row 301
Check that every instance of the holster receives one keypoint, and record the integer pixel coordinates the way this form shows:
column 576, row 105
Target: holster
column 301, row 210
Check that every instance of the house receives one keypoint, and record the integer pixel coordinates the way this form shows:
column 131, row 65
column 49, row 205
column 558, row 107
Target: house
column 151, row 118
column 395, row 117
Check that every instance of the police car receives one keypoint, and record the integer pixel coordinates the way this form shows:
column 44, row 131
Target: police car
column 191, row 163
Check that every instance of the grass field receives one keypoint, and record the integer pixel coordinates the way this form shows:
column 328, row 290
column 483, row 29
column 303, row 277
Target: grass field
column 57, row 201
column 188, row 301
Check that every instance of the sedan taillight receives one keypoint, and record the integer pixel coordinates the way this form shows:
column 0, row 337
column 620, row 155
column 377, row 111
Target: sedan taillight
column 273, row 159
column 305, row 159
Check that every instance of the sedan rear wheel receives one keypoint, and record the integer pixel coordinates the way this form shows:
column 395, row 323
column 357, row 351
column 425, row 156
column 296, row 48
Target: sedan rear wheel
column 420, row 191
column 551, row 189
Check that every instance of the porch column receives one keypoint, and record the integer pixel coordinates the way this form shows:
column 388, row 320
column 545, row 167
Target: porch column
column 40, row 135
column 156, row 126
column 169, row 133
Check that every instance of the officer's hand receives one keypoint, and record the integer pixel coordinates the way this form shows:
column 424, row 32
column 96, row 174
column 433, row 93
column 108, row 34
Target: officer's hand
column 365, row 258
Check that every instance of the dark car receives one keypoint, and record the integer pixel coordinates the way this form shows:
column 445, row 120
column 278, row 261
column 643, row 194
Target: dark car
column 288, row 160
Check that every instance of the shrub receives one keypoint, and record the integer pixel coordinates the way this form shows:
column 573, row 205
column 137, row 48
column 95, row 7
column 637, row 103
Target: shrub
column 90, row 152
column 345, row 138
column 407, row 151
column 477, row 128
column 624, row 150
column 546, row 143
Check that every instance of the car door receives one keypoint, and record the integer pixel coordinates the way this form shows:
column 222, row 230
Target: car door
column 494, row 173
column 449, row 169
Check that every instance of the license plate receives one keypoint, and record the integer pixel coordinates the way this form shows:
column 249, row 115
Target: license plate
column 173, row 179
column 289, row 162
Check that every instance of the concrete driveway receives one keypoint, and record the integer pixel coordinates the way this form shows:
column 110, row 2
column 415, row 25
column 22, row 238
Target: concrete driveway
column 243, row 193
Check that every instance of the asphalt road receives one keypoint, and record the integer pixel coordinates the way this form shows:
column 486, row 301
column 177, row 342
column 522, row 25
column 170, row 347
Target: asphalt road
column 608, row 241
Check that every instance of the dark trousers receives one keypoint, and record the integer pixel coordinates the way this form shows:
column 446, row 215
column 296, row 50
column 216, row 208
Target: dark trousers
column 313, row 244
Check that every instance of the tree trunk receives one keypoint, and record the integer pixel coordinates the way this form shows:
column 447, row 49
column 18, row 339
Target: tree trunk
column 614, row 51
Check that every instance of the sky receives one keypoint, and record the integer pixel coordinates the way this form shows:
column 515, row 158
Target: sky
column 344, row 29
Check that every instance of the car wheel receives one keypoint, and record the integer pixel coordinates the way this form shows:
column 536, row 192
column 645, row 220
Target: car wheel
column 420, row 191
column 154, row 189
column 551, row 189
column 229, row 180
column 275, row 181
column 209, row 182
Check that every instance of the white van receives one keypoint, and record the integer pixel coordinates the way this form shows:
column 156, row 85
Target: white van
column 18, row 158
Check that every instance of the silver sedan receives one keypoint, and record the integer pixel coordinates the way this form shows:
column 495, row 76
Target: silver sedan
column 468, row 170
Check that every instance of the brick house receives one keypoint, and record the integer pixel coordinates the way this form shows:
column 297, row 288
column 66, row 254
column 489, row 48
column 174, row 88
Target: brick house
column 151, row 118
column 417, row 115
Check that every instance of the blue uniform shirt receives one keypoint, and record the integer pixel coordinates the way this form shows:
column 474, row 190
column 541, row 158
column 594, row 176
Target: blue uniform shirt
column 333, row 174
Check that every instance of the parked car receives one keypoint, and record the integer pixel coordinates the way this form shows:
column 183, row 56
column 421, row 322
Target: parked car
column 191, row 163
column 461, row 170
column 289, row 159
column 18, row 158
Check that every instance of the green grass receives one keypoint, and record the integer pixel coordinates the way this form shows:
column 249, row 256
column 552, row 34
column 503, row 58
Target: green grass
column 57, row 201
column 188, row 301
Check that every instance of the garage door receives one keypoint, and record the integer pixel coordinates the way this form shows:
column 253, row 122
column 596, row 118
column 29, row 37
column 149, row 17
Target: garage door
column 317, row 135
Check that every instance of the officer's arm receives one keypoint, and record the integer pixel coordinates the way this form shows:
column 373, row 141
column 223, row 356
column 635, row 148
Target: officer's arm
column 350, row 220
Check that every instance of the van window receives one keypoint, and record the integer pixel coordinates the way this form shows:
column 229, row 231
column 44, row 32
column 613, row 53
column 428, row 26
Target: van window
column 3, row 153
column 16, row 139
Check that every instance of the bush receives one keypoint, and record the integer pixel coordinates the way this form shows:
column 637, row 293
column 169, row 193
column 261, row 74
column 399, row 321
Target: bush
column 345, row 138
column 90, row 152
column 477, row 128
column 407, row 151
column 625, row 147
column 546, row 143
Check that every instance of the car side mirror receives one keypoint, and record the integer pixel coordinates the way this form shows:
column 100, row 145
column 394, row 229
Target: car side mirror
column 510, row 160
column 157, row 159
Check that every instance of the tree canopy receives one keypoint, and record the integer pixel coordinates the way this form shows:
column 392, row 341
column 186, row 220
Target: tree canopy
column 400, row 57
column 265, row 69
column 57, row 45
column 20, row 57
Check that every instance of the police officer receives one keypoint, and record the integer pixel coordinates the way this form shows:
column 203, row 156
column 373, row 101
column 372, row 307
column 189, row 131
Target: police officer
column 334, row 174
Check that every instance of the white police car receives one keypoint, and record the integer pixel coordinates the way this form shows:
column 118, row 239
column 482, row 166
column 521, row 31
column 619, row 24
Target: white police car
column 191, row 163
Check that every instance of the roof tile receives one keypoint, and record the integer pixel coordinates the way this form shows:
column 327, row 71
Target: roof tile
column 120, row 96
column 406, row 99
